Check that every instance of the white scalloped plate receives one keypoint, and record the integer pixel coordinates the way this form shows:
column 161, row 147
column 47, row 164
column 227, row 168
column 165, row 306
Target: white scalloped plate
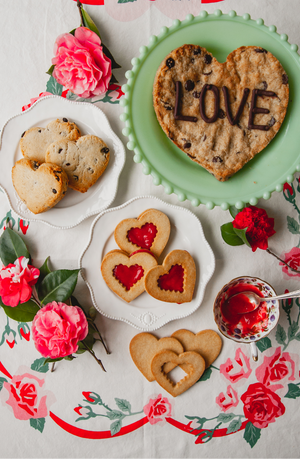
column 75, row 206
column 146, row 313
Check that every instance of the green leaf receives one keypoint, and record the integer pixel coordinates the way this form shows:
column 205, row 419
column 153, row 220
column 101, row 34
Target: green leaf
column 229, row 235
column 233, row 211
column 297, row 337
column 225, row 417
column 115, row 414
column 264, row 344
column 293, row 225
column 241, row 233
column 292, row 330
column 69, row 357
column 58, row 285
column 234, row 426
column 280, row 334
column 12, row 247
column 114, row 64
column 40, row 365
column 48, row 360
column 126, row 1
column 50, row 71
column 251, row 434
column 88, row 22
column 293, row 392
column 38, row 424
column 24, row 312
column 54, row 87
column 123, row 405
column 2, row 381
column 44, row 269
column 115, row 427
column 206, row 375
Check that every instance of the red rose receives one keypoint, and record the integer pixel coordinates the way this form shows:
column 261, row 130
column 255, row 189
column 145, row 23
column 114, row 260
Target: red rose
column 259, row 226
column 261, row 405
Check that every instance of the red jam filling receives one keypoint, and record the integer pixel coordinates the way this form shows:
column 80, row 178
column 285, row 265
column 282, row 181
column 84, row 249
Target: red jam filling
column 142, row 237
column 236, row 311
column 173, row 280
column 128, row 275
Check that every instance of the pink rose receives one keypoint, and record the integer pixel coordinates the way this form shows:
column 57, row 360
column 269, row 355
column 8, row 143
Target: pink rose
column 292, row 258
column 158, row 409
column 238, row 369
column 80, row 64
column 277, row 370
column 16, row 280
column 57, row 328
column 228, row 401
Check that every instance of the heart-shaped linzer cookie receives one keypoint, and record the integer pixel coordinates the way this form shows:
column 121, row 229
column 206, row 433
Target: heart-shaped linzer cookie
column 193, row 361
column 144, row 346
column 174, row 280
column 151, row 230
column 124, row 274
column 35, row 141
column 221, row 114
column 84, row 161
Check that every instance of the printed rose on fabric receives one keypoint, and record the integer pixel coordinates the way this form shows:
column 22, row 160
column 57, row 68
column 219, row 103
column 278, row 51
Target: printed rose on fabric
column 261, row 405
column 16, row 280
column 57, row 328
column 32, row 101
column 292, row 258
column 91, row 397
column 80, row 64
column 278, row 370
column 229, row 400
column 259, row 226
column 26, row 396
column 238, row 369
column 158, row 409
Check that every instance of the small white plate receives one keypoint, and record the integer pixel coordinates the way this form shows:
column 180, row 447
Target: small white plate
column 75, row 206
column 145, row 313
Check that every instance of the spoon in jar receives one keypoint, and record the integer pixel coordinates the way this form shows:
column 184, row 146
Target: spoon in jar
column 255, row 300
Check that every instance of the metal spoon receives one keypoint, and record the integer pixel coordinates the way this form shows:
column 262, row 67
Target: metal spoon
column 256, row 300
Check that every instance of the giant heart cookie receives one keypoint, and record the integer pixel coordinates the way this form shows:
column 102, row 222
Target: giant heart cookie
column 144, row 346
column 193, row 361
column 221, row 114
column 174, row 280
column 125, row 275
column 40, row 186
column 151, row 230
column 35, row 141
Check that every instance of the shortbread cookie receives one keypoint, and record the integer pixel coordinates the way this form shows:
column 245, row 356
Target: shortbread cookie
column 35, row 141
column 84, row 160
column 151, row 230
column 40, row 186
column 143, row 348
column 174, row 280
column 221, row 114
column 124, row 274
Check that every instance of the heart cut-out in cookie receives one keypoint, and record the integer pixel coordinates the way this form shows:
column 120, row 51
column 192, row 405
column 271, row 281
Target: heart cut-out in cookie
column 174, row 280
column 151, row 230
column 40, row 186
column 83, row 160
column 221, row 114
column 35, row 141
column 124, row 274
column 144, row 346
column 192, row 361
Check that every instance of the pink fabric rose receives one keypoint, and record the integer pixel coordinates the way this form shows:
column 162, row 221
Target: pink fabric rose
column 292, row 258
column 229, row 400
column 57, row 328
column 238, row 369
column 32, row 101
column 80, row 64
column 16, row 280
column 158, row 409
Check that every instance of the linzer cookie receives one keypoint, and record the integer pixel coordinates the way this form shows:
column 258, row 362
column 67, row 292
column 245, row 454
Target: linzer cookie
column 221, row 114
column 151, row 230
column 174, row 280
column 125, row 274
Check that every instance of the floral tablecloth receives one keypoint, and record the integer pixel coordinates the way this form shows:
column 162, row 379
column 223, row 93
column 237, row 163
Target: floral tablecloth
column 239, row 407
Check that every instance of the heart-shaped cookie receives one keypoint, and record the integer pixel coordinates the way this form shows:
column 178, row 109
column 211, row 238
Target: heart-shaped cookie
column 83, row 160
column 40, row 186
column 35, row 141
column 151, row 230
column 221, row 114
column 193, row 361
column 124, row 274
column 174, row 280
column 144, row 346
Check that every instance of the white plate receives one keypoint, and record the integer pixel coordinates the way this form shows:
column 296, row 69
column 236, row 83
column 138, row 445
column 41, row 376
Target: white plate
column 75, row 206
column 145, row 313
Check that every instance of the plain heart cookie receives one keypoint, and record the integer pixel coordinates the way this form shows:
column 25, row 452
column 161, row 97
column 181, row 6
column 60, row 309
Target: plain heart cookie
column 40, row 186
column 35, row 141
column 151, row 231
column 221, row 114
column 83, row 160
column 124, row 274
column 174, row 280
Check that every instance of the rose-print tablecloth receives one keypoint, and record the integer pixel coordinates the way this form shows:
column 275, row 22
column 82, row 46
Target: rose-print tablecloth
column 239, row 408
